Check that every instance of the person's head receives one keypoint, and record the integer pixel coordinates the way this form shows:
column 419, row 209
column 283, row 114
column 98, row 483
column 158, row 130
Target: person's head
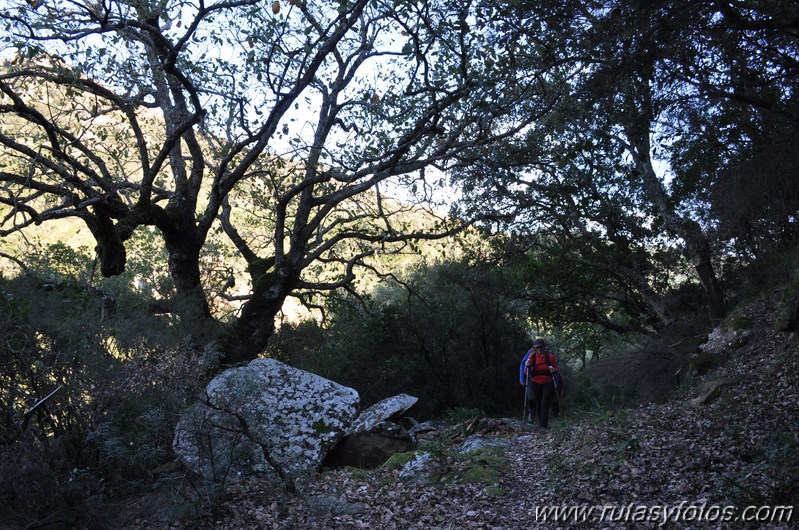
column 539, row 344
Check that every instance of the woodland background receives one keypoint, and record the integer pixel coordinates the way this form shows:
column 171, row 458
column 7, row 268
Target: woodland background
column 395, row 195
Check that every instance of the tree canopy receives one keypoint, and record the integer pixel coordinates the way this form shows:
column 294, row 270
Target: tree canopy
column 613, row 137
column 640, row 162
column 128, row 114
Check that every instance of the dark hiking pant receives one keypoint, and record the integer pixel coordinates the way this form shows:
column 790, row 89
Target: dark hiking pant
column 544, row 396
column 530, row 401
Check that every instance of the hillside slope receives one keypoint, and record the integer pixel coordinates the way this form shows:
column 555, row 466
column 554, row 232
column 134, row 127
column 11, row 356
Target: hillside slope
column 686, row 465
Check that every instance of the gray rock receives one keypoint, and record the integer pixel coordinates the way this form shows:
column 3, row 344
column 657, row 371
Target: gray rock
column 423, row 469
column 381, row 411
column 478, row 441
column 373, row 438
column 722, row 340
column 264, row 416
column 709, row 391
column 425, row 428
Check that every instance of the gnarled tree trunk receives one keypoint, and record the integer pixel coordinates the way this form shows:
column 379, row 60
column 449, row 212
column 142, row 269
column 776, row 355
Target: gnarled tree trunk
column 271, row 285
column 697, row 246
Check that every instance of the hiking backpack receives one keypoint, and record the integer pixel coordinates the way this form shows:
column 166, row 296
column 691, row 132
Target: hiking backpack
column 560, row 382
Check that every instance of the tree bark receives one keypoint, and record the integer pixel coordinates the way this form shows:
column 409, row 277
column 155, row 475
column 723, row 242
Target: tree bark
column 697, row 246
column 189, row 301
column 248, row 337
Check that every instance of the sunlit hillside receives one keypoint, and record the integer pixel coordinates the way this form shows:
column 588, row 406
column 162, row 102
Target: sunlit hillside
column 224, row 271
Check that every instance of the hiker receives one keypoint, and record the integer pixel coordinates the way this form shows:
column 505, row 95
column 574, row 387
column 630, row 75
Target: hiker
column 529, row 396
column 540, row 364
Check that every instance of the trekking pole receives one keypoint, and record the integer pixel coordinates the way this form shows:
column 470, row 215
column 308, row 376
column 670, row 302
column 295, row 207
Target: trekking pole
column 557, row 394
column 524, row 398
column 526, row 402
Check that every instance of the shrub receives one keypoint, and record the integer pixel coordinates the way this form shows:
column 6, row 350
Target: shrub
column 86, row 417
column 443, row 334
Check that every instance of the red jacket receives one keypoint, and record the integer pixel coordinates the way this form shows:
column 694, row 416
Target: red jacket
column 540, row 368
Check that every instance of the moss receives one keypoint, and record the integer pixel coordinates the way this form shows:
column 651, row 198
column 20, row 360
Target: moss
column 740, row 322
column 261, row 272
column 484, row 467
column 481, row 475
column 789, row 294
column 495, row 491
column 260, row 266
column 398, row 460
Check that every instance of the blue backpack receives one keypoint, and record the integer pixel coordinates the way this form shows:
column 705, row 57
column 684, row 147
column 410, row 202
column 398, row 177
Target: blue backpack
column 557, row 378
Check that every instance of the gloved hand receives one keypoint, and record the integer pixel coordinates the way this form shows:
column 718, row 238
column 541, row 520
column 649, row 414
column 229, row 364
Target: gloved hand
column 552, row 369
column 529, row 362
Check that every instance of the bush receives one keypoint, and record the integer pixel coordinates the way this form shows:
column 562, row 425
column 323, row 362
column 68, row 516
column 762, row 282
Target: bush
column 640, row 371
column 87, row 410
column 444, row 334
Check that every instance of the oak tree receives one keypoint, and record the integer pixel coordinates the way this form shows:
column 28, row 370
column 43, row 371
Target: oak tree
column 280, row 124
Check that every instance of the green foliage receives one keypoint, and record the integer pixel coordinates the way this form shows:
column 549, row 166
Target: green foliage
column 780, row 457
column 627, row 447
column 313, row 194
column 59, row 262
column 445, row 334
column 458, row 415
column 86, row 415
column 788, row 318
column 739, row 493
column 777, row 455
column 146, row 272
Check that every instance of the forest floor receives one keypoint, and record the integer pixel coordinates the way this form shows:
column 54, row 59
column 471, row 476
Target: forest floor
column 678, row 464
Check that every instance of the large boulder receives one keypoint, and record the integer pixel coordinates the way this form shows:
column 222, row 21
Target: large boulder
column 723, row 340
column 385, row 410
column 374, row 437
column 264, row 418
